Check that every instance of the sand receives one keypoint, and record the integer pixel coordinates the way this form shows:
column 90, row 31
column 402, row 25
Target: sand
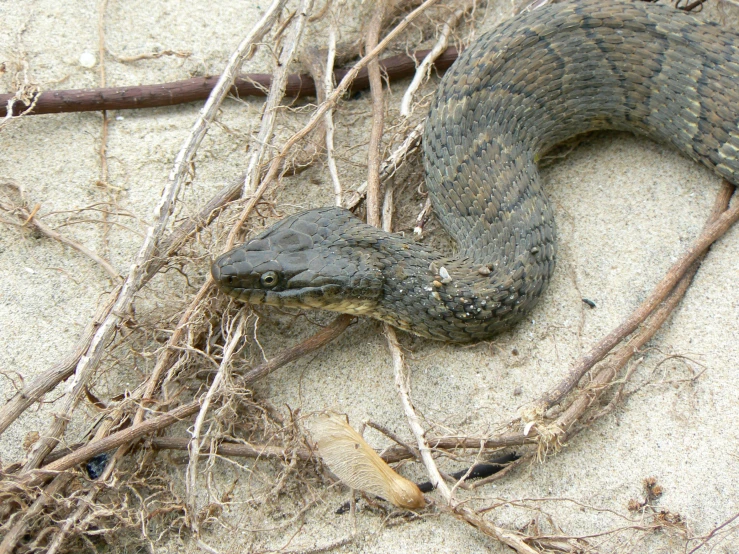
column 626, row 208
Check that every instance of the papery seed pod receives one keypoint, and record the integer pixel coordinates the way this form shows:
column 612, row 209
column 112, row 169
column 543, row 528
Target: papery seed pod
column 357, row 465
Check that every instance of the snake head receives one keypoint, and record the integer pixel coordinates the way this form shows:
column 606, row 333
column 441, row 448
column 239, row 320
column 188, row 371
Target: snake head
column 304, row 261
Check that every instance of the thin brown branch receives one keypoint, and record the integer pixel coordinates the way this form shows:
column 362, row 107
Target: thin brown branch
column 198, row 89
column 424, row 68
column 619, row 358
column 323, row 337
column 133, row 282
column 232, row 449
column 15, row 534
column 29, row 220
column 378, row 118
column 710, row 233
column 324, row 79
column 713, row 533
column 510, row 538
column 259, row 152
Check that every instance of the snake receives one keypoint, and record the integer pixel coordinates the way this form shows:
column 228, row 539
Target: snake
column 534, row 81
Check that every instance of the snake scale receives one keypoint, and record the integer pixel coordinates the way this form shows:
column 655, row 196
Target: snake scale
column 534, row 81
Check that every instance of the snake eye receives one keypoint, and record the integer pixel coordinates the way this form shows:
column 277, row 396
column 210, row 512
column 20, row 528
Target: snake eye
column 269, row 279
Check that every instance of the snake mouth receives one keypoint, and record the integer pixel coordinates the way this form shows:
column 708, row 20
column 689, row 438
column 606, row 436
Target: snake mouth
column 326, row 297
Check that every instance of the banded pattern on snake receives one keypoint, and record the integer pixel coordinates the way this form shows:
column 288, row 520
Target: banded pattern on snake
column 533, row 82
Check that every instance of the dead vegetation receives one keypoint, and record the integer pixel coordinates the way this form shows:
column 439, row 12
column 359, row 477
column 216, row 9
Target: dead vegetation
column 146, row 471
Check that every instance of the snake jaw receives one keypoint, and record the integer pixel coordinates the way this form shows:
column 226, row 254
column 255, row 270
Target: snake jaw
column 520, row 89
column 309, row 264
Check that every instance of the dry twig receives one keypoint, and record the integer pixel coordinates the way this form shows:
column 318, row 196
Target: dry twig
column 710, row 233
column 28, row 102
column 424, row 68
column 29, row 219
column 133, row 282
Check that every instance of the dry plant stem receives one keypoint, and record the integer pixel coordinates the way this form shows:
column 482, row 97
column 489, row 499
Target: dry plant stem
column 710, row 233
column 391, row 455
column 317, row 117
column 409, row 145
column 422, row 217
column 402, row 380
column 197, row 89
column 195, row 444
column 328, row 85
column 16, row 533
column 321, row 338
column 620, row 357
column 132, row 434
column 378, row 118
column 340, row 89
column 424, row 68
column 88, row 362
column 275, row 96
column 402, row 383
column 604, row 377
column 403, row 386
column 232, row 449
column 510, row 538
column 30, row 220
column 713, row 533
column 104, row 131
column 393, row 436
column 323, row 77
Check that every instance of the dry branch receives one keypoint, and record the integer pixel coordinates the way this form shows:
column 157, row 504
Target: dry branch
column 424, row 68
column 29, row 219
column 374, row 155
column 198, row 88
column 135, row 278
column 710, row 233
column 274, row 98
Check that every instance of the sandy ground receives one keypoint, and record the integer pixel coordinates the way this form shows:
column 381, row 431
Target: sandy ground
column 626, row 208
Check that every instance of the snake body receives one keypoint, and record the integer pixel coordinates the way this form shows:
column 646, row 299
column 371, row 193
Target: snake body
column 520, row 89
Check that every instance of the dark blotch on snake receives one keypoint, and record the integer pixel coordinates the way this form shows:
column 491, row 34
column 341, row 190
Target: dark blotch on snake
column 534, row 81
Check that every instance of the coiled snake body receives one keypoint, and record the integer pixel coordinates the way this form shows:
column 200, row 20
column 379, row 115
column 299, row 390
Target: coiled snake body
column 531, row 83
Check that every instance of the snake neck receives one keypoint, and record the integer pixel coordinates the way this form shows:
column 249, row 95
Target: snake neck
column 531, row 83
column 540, row 79
column 458, row 299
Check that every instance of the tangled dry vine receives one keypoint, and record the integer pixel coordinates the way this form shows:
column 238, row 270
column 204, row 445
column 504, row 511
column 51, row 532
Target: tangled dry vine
column 31, row 490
